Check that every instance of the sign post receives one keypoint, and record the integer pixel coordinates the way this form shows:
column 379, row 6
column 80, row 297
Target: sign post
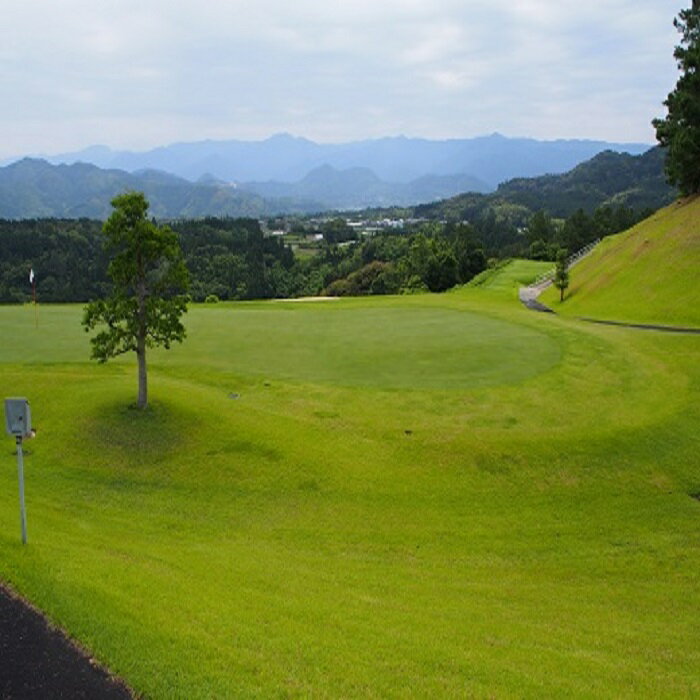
column 20, row 474
column 18, row 422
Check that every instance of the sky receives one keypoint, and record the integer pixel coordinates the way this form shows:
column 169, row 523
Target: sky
column 138, row 74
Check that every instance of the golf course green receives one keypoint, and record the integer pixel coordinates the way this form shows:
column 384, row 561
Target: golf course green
column 429, row 495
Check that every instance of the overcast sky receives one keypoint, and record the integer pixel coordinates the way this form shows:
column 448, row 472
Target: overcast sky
column 140, row 73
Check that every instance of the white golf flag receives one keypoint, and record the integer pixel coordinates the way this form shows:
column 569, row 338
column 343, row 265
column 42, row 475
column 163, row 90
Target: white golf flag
column 31, row 276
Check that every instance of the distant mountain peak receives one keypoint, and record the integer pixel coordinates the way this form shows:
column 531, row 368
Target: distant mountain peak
column 326, row 172
column 284, row 139
column 209, row 179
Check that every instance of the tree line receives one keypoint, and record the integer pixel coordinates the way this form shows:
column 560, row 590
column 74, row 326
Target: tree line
column 547, row 236
column 232, row 258
column 226, row 257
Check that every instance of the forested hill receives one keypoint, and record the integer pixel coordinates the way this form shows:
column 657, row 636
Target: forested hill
column 32, row 188
column 356, row 188
column 608, row 179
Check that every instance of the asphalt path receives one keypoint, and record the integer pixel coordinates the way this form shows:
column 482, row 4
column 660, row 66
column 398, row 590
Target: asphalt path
column 528, row 296
column 39, row 661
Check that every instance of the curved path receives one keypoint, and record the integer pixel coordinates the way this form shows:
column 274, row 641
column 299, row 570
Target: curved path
column 528, row 296
column 643, row 326
column 39, row 661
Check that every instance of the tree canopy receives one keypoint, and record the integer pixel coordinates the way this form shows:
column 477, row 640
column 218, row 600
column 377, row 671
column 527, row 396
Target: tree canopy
column 149, row 277
column 561, row 273
column 679, row 131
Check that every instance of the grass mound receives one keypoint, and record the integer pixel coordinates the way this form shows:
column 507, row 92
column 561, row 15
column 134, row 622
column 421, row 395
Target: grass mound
column 648, row 274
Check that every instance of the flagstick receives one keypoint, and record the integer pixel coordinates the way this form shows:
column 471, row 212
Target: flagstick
column 36, row 309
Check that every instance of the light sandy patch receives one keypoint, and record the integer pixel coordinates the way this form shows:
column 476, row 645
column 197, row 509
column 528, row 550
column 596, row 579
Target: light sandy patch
column 310, row 299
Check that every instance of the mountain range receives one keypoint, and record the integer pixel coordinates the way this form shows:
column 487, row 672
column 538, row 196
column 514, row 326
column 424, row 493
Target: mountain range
column 285, row 158
column 34, row 188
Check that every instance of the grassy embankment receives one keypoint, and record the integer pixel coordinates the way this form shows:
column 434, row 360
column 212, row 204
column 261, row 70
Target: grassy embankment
column 648, row 274
column 433, row 495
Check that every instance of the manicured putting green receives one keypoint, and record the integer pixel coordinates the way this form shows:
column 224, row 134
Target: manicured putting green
column 347, row 344
column 381, row 347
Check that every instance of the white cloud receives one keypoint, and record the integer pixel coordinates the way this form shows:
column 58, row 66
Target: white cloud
column 436, row 42
column 141, row 73
column 449, row 79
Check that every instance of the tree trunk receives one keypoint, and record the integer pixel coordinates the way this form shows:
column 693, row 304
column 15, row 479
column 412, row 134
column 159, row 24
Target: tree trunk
column 142, row 401
column 561, row 290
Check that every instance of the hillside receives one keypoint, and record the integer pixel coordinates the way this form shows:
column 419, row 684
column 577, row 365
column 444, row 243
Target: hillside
column 606, row 179
column 355, row 188
column 648, row 274
column 33, row 188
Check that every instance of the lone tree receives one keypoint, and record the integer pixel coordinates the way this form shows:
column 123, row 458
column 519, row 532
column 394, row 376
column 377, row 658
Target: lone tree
column 561, row 274
column 147, row 300
column 679, row 132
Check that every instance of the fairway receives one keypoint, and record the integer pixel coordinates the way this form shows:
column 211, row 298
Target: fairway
column 434, row 495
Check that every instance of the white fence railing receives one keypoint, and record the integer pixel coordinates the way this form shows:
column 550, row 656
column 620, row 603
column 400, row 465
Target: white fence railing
column 573, row 259
column 545, row 279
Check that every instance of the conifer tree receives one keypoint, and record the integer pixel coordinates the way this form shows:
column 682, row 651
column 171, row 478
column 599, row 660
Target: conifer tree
column 679, row 131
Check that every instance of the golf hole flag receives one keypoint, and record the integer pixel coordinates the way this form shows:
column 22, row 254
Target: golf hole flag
column 32, row 281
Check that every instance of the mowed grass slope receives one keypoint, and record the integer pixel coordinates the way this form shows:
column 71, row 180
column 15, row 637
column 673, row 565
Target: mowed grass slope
column 507, row 279
column 504, row 507
column 648, row 274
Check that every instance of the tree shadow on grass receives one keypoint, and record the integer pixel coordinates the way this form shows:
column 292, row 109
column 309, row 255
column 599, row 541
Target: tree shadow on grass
column 140, row 436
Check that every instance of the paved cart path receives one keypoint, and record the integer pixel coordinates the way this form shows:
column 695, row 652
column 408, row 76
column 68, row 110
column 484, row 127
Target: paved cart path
column 38, row 661
column 528, row 296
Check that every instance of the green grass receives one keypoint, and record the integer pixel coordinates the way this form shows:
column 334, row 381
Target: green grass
column 510, row 276
column 412, row 496
column 647, row 274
